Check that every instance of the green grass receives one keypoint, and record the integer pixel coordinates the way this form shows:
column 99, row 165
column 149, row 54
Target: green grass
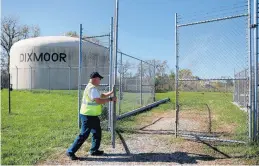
column 227, row 114
column 221, row 107
column 131, row 101
column 42, row 123
column 39, row 124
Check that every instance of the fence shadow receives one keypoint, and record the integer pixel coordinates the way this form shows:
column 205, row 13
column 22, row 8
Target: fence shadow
column 176, row 157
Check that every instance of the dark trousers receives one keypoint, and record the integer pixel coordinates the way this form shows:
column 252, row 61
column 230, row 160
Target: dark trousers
column 90, row 124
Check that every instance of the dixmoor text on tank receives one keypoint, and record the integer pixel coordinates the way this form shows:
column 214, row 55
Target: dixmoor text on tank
column 34, row 57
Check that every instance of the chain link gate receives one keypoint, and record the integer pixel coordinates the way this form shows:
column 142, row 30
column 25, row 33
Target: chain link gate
column 132, row 79
column 208, row 54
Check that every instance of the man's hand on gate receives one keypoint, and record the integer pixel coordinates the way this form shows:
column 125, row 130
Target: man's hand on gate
column 114, row 99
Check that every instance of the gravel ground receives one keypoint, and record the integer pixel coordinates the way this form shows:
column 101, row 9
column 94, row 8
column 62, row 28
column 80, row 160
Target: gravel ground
column 153, row 144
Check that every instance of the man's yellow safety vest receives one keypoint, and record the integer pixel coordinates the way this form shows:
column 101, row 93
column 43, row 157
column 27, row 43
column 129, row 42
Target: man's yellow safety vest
column 90, row 107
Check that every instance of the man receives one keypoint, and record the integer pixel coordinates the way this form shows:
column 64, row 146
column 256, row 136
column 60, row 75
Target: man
column 91, row 108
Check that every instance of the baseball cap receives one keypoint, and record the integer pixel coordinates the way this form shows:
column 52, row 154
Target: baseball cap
column 96, row 74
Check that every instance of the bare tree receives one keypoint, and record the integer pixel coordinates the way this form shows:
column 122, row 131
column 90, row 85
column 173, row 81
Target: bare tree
column 12, row 32
column 161, row 67
column 84, row 37
column 161, row 75
column 124, row 67
column 71, row 34
column 35, row 31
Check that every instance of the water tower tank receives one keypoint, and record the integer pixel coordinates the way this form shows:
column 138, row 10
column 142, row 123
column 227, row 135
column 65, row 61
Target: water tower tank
column 51, row 62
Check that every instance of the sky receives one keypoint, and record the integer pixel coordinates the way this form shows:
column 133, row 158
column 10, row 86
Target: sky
column 147, row 28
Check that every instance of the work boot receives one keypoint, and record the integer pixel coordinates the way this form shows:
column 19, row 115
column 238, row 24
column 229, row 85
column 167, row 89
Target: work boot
column 97, row 153
column 72, row 156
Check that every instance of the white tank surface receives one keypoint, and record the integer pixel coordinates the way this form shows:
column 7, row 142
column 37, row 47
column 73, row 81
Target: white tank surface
column 51, row 62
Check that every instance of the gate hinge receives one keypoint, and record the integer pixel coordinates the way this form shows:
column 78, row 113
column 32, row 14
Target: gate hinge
column 253, row 25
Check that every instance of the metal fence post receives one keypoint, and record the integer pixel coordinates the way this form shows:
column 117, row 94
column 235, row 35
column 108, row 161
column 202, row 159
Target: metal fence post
column 154, row 82
column 125, row 85
column 176, row 77
column 69, row 79
column 17, row 77
column 9, row 92
column 255, row 68
column 244, row 87
column 140, row 85
column 234, row 94
column 120, row 85
column 79, row 75
column 110, row 70
column 250, row 83
column 31, row 77
column 136, row 90
column 115, row 69
column 238, row 90
column 49, row 79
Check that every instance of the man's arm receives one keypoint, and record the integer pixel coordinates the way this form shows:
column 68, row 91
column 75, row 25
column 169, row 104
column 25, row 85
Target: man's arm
column 107, row 94
column 103, row 101
column 94, row 95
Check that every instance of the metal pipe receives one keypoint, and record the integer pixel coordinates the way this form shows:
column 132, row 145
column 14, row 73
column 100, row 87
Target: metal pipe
column 138, row 110
column 187, row 136
column 176, row 77
column 79, row 74
column 110, row 69
column 255, row 67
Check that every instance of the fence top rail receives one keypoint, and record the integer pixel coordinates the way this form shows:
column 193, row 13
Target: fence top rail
column 55, row 67
column 213, row 79
column 135, row 58
column 212, row 20
column 99, row 85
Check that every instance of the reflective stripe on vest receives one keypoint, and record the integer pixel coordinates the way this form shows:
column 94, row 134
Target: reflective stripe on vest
column 88, row 106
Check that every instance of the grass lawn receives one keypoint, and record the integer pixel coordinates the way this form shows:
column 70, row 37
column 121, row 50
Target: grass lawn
column 44, row 123
column 40, row 123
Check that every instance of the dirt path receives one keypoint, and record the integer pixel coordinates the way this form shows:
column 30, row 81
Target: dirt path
column 153, row 144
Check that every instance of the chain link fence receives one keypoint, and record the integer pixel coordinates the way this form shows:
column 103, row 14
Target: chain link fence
column 209, row 49
column 136, row 82
column 63, row 79
column 241, row 91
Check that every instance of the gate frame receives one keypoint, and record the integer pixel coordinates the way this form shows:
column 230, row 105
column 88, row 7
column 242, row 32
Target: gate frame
column 252, row 106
